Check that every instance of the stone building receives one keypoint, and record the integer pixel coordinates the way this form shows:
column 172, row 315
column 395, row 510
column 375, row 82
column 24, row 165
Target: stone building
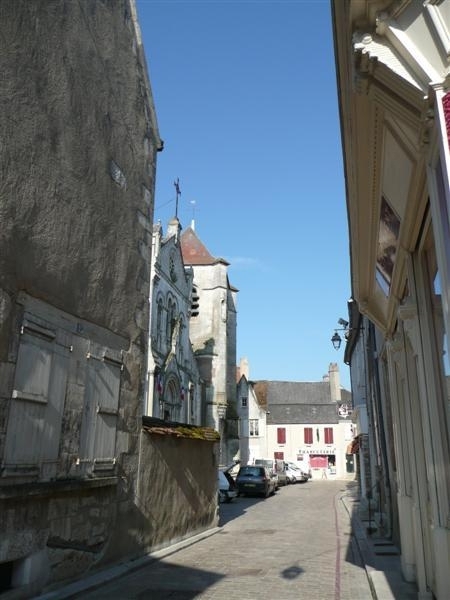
column 393, row 66
column 174, row 387
column 79, row 154
column 213, row 336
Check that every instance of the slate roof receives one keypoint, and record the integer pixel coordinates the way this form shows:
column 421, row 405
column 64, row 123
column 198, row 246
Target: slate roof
column 296, row 392
column 298, row 402
column 283, row 414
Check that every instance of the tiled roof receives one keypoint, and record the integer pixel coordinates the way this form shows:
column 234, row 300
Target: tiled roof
column 194, row 251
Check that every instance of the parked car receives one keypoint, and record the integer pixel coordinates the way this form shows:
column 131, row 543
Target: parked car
column 276, row 467
column 293, row 475
column 226, row 486
column 255, row 480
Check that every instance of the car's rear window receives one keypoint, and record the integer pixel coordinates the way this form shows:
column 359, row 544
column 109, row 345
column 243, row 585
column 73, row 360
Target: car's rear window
column 255, row 471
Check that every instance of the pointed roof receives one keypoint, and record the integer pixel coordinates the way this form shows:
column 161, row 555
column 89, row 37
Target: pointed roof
column 195, row 252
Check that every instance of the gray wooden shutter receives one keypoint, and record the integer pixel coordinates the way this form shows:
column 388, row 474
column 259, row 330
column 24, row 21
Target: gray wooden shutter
column 35, row 415
column 98, row 430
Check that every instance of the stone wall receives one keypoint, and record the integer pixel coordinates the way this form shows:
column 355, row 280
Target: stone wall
column 76, row 207
column 177, row 493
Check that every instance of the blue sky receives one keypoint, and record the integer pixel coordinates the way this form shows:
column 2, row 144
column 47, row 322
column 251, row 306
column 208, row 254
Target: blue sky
column 246, row 101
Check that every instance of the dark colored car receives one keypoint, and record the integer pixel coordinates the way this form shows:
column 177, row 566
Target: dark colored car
column 255, row 480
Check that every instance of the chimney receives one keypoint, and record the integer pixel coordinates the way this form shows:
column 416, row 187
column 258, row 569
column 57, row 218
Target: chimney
column 243, row 367
column 335, row 383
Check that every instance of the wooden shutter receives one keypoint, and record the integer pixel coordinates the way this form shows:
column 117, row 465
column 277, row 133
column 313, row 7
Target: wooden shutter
column 328, row 435
column 308, row 433
column 99, row 424
column 35, row 415
column 281, row 435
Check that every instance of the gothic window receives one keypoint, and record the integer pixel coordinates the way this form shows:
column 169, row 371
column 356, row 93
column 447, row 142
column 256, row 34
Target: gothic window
column 171, row 320
column 159, row 322
column 173, row 275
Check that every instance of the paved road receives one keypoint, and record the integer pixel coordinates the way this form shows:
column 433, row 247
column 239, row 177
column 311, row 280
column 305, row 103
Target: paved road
column 294, row 545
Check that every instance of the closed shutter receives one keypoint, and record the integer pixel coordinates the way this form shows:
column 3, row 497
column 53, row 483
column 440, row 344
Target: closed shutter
column 35, row 415
column 328, row 435
column 99, row 424
column 308, row 433
column 281, row 435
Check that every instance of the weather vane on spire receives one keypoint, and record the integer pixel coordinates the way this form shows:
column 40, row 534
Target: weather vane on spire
column 178, row 193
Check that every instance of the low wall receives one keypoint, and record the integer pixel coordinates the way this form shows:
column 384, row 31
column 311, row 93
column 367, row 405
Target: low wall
column 177, row 483
column 61, row 531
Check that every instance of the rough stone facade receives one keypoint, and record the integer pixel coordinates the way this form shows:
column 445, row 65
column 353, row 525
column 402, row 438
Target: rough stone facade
column 76, row 205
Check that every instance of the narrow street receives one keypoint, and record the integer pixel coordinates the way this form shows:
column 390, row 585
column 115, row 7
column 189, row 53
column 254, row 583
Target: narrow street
column 296, row 544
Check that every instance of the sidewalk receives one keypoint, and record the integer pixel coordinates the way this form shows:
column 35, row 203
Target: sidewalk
column 380, row 557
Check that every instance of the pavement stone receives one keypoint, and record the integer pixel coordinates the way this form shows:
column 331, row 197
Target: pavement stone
column 305, row 542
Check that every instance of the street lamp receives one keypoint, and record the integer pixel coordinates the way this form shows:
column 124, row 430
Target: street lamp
column 336, row 340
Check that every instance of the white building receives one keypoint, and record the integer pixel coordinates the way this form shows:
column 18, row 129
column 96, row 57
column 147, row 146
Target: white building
column 252, row 415
column 288, row 420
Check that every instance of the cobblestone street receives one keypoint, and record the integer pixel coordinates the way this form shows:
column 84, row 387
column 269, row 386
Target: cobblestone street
column 296, row 544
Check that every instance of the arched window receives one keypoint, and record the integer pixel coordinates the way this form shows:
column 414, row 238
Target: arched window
column 159, row 322
column 180, row 339
column 172, row 401
column 171, row 320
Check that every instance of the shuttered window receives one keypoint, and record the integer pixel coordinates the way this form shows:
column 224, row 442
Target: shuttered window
column 328, row 435
column 308, row 434
column 37, row 404
column 98, row 429
column 281, row 435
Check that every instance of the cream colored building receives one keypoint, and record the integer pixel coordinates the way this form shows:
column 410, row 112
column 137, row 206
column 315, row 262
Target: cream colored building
column 291, row 420
column 252, row 415
column 393, row 73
